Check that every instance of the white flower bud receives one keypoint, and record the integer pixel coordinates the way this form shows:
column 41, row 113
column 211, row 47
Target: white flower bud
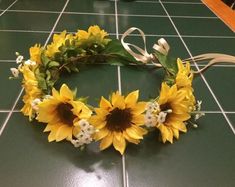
column 15, row 72
column 19, row 59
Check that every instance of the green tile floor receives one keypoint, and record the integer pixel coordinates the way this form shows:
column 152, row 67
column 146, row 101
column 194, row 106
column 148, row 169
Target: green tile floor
column 202, row 157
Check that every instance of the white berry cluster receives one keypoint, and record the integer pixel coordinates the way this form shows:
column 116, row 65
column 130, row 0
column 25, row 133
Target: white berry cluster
column 152, row 110
column 85, row 134
column 20, row 60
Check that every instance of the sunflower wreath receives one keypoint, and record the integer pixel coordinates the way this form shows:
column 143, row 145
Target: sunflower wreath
column 119, row 119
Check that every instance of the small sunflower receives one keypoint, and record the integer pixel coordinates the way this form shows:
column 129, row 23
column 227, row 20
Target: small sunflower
column 35, row 53
column 58, row 40
column 184, row 76
column 174, row 111
column 184, row 80
column 62, row 113
column 30, row 85
column 94, row 36
column 119, row 120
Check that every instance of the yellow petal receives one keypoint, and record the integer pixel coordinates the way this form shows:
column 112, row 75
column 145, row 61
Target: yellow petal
column 106, row 141
column 63, row 132
column 119, row 145
column 166, row 133
column 132, row 98
column 179, row 117
column 77, row 107
column 138, row 120
column 48, row 128
column 85, row 113
column 175, row 133
column 118, row 135
column 180, row 126
column 65, row 92
column 139, row 108
column 164, row 93
column 101, row 112
column 55, row 94
column 52, row 135
column 129, row 139
column 47, row 111
column 101, row 134
column 118, row 101
column 136, row 132
column 105, row 104
column 76, row 130
column 97, row 122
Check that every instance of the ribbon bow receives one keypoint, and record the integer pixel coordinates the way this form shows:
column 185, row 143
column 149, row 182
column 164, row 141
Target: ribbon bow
column 162, row 47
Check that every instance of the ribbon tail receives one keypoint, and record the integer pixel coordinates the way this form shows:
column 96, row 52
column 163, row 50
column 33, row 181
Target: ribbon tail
column 214, row 58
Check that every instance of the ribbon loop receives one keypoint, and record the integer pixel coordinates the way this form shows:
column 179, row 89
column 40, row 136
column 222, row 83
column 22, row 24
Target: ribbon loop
column 162, row 47
column 144, row 56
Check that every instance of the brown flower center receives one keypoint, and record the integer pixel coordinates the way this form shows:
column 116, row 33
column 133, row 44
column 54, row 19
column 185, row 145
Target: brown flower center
column 119, row 120
column 165, row 108
column 65, row 113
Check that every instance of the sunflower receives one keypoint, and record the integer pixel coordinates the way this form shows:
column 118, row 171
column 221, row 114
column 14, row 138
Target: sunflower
column 184, row 75
column 58, row 40
column 32, row 92
column 184, row 80
column 119, row 120
column 94, row 36
column 35, row 53
column 62, row 113
column 174, row 111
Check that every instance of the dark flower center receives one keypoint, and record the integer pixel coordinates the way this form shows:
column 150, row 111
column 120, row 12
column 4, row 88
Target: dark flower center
column 65, row 113
column 164, row 108
column 119, row 120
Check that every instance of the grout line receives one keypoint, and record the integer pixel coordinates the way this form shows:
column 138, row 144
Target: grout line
column 27, row 31
column 114, row 34
column 196, row 17
column 10, row 113
column 17, row 99
column 185, row 3
column 170, row 2
column 110, row 14
column 120, row 91
column 34, row 11
column 202, row 76
column 7, row 111
column 53, row 29
column 8, row 7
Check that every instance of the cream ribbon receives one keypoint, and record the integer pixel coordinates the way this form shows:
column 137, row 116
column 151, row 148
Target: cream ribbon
column 214, row 58
column 162, row 47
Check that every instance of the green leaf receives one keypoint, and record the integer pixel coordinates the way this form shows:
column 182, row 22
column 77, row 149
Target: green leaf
column 45, row 60
column 53, row 64
column 169, row 63
column 116, row 49
column 48, row 75
column 67, row 68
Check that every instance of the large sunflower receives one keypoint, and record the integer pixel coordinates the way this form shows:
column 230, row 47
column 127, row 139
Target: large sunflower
column 62, row 113
column 174, row 111
column 119, row 120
